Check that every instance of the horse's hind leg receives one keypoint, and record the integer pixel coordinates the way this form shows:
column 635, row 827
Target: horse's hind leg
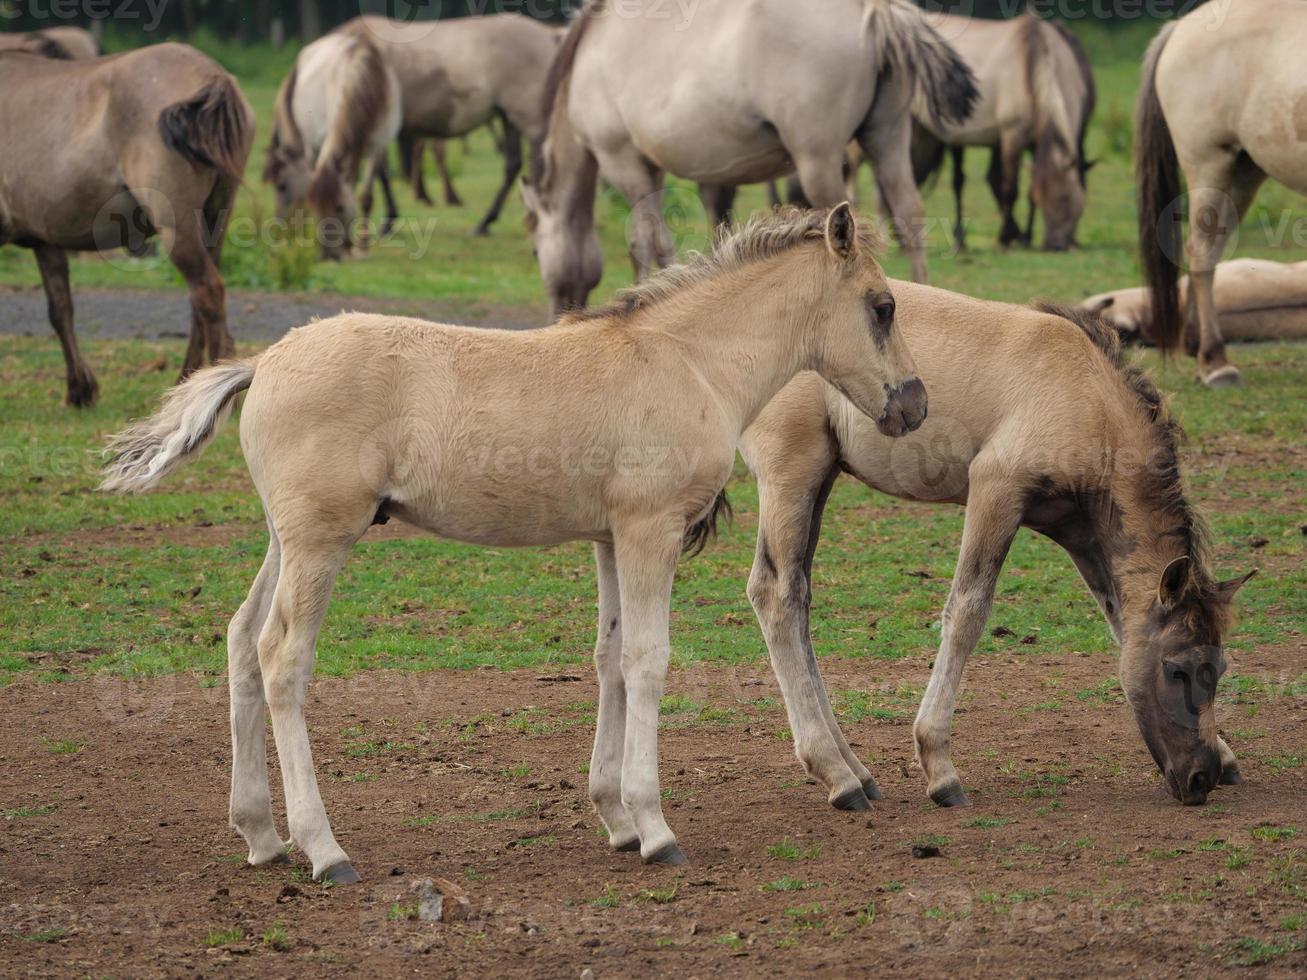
column 610, row 730
column 250, row 808
column 53, row 263
column 440, row 152
column 793, row 483
column 1220, row 193
column 512, row 167
column 887, row 141
column 649, row 240
column 217, row 216
column 1007, row 179
column 719, row 204
column 959, row 185
column 993, row 517
column 307, row 574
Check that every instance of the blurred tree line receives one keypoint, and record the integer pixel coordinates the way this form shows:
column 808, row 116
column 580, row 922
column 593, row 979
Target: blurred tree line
column 275, row 20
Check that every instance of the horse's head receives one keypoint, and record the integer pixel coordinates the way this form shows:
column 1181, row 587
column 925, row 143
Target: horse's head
column 1170, row 665
column 565, row 244
column 288, row 174
column 860, row 349
column 1058, row 190
column 334, row 202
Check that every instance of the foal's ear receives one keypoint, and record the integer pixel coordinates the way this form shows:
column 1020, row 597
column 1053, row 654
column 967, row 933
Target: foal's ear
column 1175, row 579
column 841, row 231
column 1227, row 589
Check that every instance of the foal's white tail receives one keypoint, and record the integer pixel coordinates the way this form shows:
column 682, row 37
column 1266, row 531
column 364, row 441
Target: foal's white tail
column 147, row 451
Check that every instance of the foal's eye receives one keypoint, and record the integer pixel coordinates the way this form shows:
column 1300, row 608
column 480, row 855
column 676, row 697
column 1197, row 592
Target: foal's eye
column 884, row 313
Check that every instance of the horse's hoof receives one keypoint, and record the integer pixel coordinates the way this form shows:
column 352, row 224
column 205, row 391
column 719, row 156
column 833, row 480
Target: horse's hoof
column 82, row 392
column 669, row 855
column 854, row 799
column 626, row 847
column 950, row 795
column 1231, row 776
column 872, row 790
column 481, row 231
column 1223, row 377
column 342, row 873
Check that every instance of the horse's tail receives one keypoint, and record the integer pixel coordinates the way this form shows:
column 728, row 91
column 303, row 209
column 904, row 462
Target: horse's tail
column 361, row 111
column 1157, row 175
column 905, row 42
column 213, row 128
column 144, row 453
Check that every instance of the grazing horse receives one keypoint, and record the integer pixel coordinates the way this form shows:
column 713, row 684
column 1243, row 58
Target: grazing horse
column 1076, row 446
column 162, row 136
column 617, row 426
column 67, row 43
column 1037, row 93
column 739, row 94
column 460, row 74
column 337, row 111
column 1226, row 131
column 1257, row 299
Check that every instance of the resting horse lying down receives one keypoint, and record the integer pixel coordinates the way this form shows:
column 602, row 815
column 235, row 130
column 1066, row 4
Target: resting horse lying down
column 1256, row 299
column 1075, row 446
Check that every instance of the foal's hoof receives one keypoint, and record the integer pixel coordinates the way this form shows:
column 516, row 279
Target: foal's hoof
column 626, row 847
column 669, row 855
column 950, row 795
column 1223, row 377
column 340, row 874
column 1231, row 776
column 854, row 799
column 872, row 790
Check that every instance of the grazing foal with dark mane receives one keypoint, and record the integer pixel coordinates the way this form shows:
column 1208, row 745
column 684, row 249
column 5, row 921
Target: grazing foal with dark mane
column 1074, row 445
column 162, row 153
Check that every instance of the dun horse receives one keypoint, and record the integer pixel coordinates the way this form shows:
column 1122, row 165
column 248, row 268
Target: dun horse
column 1256, row 299
column 1074, row 446
column 1037, row 93
column 162, row 154
column 756, row 91
column 1226, row 131
column 337, row 111
column 67, row 43
column 617, row 427
column 458, row 75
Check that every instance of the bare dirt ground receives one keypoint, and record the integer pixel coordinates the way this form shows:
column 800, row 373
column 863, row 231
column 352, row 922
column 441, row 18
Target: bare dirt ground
column 252, row 317
column 115, row 858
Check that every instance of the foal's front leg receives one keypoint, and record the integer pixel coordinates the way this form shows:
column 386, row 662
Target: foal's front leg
column 646, row 565
column 610, row 729
column 993, row 518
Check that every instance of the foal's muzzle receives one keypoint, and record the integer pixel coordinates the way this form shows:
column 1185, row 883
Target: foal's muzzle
column 905, row 409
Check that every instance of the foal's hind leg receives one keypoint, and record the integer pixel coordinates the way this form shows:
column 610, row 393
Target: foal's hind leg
column 53, row 263
column 308, row 571
column 251, row 804
column 610, row 730
column 993, row 517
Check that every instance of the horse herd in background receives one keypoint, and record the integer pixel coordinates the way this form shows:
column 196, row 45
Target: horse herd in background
column 787, row 343
column 858, row 80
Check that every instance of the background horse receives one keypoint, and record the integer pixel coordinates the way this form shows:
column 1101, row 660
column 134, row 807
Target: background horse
column 68, row 43
column 1074, row 445
column 1226, row 131
column 163, row 153
column 458, row 75
column 337, row 111
column 1257, row 299
column 1038, row 94
column 358, row 418
column 739, row 94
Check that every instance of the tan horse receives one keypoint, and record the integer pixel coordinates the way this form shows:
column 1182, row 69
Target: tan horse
column 1256, row 299
column 617, row 427
column 162, row 153
column 1226, row 130
column 337, row 112
column 67, row 43
column 460, row 74
column 1075, row 446
column 1038, row 94
column 735, row 94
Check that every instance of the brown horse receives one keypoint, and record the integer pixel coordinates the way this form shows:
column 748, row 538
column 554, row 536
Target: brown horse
column 1075, row 446
column 1226, row 108
column 161, row 153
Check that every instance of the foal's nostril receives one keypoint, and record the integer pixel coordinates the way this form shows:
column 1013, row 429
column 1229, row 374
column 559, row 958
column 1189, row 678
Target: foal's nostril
column 1200, row 784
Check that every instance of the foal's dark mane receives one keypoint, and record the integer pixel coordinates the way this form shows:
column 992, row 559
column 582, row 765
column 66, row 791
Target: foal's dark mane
column 763, row 236
column 1159, row 478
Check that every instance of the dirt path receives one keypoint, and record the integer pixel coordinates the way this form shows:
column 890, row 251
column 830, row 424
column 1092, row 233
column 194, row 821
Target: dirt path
column 115, row 857
column 125, row 314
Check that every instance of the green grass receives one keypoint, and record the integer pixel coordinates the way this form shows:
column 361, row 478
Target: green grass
column 787, row 850
column 224, row 937
column 788, row 883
